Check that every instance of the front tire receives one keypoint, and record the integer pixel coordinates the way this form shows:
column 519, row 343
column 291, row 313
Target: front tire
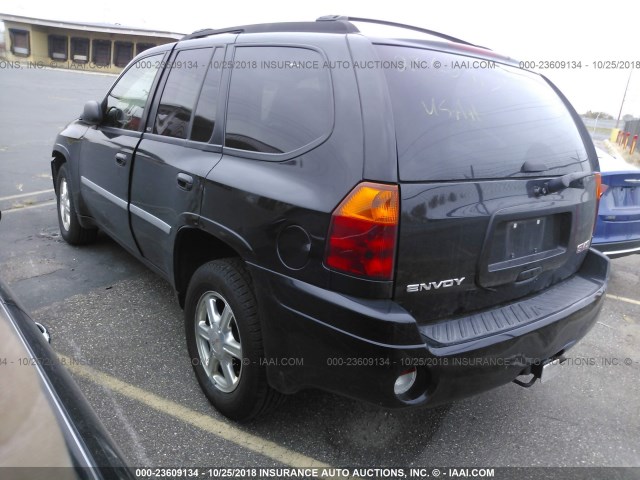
column 70, row 228
column 224, row 340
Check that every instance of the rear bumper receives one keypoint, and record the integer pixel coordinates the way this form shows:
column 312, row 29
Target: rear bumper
column 617, row 249
column 358, row 348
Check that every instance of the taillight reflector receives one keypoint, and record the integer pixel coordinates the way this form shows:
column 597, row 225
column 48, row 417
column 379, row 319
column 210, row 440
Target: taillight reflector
column 363, row 232
column 600, row 187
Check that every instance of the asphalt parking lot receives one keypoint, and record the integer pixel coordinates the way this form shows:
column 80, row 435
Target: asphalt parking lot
column 120, row 328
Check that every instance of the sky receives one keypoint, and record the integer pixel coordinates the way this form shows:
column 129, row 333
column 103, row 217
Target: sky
column 542, row 30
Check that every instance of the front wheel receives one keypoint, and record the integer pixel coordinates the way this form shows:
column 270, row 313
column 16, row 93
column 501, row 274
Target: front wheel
column 70, row 228
column 224, row 340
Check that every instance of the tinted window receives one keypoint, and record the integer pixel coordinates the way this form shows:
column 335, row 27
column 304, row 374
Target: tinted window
column 279, row 100
column 181, row 91
column 476, row 119
column 127, row 100
column 204, row 119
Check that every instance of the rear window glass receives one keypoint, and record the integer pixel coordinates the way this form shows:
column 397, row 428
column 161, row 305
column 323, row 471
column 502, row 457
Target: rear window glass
column 458, row 117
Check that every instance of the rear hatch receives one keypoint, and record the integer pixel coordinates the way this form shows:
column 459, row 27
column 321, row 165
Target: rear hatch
column 478, row 142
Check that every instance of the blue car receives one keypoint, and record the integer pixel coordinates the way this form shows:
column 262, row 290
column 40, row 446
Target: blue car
column 618, row 226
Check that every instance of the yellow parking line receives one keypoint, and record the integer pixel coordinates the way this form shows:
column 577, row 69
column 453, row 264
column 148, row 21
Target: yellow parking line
column 623, row 299
column 28, row 194
column 204, row 422
column 22, row 209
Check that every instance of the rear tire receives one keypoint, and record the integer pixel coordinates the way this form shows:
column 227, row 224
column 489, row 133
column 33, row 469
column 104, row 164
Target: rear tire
column 224, row 340
column 70, row 228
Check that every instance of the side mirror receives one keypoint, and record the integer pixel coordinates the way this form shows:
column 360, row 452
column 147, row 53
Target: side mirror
column 92, row 113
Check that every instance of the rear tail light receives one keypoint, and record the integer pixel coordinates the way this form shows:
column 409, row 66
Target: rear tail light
column 363, row 232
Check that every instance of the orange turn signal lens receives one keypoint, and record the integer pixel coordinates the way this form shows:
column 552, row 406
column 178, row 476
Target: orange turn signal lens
column 599, row 187
column 372, row 202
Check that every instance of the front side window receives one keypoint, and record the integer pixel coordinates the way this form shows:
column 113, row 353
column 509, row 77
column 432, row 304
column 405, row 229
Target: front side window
column 181, row 91
column 58, row 47
column 80, row 50
column 123, row 54
column 280, row 99
column 19, row 42
column 126, row 103
column 102, row 52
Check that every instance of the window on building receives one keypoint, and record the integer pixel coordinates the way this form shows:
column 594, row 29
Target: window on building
column 181, row 92
column 102, row 52
column 58, row 48
column 123, row 53
column 80, row 50
column 127, row 99
column 278, row 110
column 141, row 47
column 19, row 42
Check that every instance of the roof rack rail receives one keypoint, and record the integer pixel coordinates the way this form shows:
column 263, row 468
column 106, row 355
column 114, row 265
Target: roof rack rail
column 326, row 27
column 205, row 32
column 327, row 24
column 335, row 18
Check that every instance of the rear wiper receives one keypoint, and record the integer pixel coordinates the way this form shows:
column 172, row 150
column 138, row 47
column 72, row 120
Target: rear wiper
column 560, row 183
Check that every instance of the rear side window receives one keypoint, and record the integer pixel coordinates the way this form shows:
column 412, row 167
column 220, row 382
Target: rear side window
column 205, row 117
column 280, row 99
column 458, row 117
column 181, row 92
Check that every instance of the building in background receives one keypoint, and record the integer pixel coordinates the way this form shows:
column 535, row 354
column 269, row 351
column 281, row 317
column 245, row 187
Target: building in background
column 79, row 46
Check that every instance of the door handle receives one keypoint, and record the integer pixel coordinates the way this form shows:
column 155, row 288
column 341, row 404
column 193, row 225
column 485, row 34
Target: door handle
column 121, row 159
column 185, row 181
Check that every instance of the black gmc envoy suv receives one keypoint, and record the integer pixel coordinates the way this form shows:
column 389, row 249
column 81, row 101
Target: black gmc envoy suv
column 401, row 221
